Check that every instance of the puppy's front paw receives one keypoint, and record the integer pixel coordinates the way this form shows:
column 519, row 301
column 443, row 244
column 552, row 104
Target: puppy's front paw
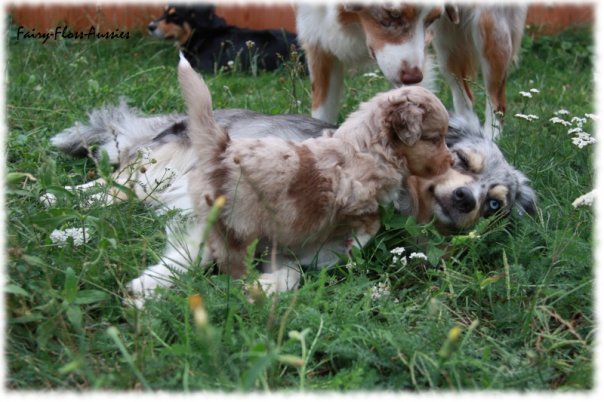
column 268, row 283
column 140, row 290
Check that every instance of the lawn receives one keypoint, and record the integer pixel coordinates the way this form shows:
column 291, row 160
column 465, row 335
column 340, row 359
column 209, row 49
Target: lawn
column 511, row 308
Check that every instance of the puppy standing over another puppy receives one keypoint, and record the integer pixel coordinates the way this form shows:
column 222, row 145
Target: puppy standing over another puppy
column 300, row 194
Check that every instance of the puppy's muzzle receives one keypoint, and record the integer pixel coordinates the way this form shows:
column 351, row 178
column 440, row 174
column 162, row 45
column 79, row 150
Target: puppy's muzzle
column 463, row 200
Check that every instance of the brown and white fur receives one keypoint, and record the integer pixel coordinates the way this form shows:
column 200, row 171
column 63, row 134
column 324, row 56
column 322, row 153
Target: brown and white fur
column 302, row 194
column 338, row 36
column 481, row 183
column 397, row 37
column 487, row 37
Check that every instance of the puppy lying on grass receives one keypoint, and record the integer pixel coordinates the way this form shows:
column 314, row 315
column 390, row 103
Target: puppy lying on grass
column 302, row 194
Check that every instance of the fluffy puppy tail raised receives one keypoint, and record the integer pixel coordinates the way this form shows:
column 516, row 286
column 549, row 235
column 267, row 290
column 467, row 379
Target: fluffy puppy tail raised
column 207, row 137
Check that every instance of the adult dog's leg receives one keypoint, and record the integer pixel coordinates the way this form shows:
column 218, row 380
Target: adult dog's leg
column 327, row 80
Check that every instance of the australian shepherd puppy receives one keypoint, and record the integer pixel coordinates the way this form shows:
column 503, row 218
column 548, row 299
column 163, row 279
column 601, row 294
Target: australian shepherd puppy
column 298, row 194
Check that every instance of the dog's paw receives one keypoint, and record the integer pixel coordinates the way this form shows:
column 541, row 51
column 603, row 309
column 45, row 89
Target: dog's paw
column 268, row 283
column 140, row 290
column 135, row 302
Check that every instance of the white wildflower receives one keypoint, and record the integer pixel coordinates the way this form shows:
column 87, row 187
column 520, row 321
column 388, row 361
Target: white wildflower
column 402, row 260
column 397, row 251
column 380, row 291
column 591, row 116
column 585, row 200
column 526, row 94
column 534, row 90
column 561, row 112
column 473, row 235
column 419, row 256
column 527, row 117
column 230, row 63
column 575, row 130
column 351, row 265
column 79, row 236
column 579, row 121
column 398, row 257
column 250, row 44
column 371, row 75
column 583, row 141
column 557, row 120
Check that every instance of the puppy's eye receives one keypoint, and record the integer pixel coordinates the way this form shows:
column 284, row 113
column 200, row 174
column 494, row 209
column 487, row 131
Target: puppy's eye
column 432, row 140
column 394, row 14
column 386, row 23
column 493, row 204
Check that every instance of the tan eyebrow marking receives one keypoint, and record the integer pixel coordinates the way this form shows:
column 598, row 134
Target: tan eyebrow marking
column 475, row 161
column 500, row 192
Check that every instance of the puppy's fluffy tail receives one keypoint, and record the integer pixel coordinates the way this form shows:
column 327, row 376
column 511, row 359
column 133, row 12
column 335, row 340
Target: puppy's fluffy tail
column 207, row 138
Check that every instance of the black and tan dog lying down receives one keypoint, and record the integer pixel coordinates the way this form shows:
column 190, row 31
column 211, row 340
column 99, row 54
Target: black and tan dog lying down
column 314, row 190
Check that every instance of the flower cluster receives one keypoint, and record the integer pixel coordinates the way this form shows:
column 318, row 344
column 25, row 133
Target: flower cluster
column 372, row 74
column 398, row 257
column 527, row 117
column 580, row 137
column 529, row 93
column 585, row 200
column 79, row 236
column 419, row 256
column 380, row 291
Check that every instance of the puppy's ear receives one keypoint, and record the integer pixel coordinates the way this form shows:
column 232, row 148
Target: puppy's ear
column 526, row 199
column 452, row 12
column 404, row 121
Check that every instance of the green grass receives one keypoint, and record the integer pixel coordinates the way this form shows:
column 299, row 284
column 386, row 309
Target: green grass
column 512, row 310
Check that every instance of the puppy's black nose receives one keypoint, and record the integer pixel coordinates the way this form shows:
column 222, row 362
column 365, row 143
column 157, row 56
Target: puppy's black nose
column 152, row 27
column 463, row 200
